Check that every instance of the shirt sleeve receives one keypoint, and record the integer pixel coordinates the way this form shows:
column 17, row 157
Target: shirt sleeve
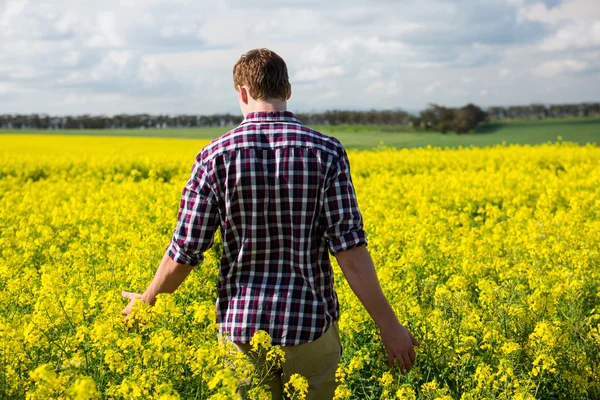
column 197, row 219
column 343, row 220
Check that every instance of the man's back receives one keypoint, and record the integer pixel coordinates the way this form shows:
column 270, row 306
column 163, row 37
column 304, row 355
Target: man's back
column 284, row 196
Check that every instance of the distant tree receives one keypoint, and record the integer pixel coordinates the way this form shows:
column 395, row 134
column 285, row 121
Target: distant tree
column 428, row 118
column 468, row 117
column 438, row 118
column 496, row 113
column 415, row 122
column 538, row 111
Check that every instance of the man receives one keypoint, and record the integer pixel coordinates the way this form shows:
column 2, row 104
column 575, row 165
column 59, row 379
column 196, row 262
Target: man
column 282, row 195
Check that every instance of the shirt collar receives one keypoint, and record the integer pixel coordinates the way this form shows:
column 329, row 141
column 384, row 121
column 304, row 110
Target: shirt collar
column 270, row 116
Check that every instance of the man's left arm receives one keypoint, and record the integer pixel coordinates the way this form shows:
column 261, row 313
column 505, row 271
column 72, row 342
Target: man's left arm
column 169, row 276
column 197, row 222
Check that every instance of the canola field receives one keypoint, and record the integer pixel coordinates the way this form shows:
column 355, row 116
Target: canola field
column 490, row 256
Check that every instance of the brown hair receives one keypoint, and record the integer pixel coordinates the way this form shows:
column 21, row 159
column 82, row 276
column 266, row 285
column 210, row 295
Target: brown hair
column 264, row 73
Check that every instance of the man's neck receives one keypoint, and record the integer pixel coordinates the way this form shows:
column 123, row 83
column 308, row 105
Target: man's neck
column 269, row 106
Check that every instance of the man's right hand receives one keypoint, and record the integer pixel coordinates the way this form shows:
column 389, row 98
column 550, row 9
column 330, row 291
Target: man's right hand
column 399, row 344
column 358, row 268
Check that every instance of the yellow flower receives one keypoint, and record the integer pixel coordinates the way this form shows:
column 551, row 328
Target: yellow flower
column 84, row 389
column 260, row 340
column 296, row 387
column 386, row 379
column 342, row 392
column 510, row 347
column 487, row 255
column 406, row 393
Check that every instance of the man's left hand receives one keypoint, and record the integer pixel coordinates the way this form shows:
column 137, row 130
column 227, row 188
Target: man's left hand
column 131, row 296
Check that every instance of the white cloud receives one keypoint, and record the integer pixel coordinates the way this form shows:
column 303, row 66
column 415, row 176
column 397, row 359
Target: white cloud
column 384, row 87
column 4, row 88
column 576, row 22
column 176, row 56
column 315, row 73
column 432, row 88
column 10, row 11
column 24, row 20
column 373, row 73
column 567, row 10
column 124, row 71
column 353, row 48
column 504, row 73
column 458, row 93
column 573, row 36
column 75, row 98
column 106, row 34
column 552, row 68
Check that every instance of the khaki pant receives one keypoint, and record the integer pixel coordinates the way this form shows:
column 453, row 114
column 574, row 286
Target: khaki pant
column 317, row 361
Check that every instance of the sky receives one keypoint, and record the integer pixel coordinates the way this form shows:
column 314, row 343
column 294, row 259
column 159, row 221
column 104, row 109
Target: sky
column 176, row 56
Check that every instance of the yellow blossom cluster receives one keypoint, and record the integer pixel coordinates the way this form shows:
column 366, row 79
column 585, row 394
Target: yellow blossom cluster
column 490, row 256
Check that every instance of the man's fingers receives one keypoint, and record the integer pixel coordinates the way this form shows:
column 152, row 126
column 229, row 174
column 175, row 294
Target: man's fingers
column 390, row 358
column 401, row 363
column 412, row 355
column 414, row 341
column 407, row 363
column 130, row 295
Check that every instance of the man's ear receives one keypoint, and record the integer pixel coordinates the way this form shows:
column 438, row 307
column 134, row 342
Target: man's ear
column 243, row 94
column 289, row 93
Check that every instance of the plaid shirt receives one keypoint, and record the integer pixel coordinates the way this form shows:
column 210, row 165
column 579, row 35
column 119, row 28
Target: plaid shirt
column 283, row 198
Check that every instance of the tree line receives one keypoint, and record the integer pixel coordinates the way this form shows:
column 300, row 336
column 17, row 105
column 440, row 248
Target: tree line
column 433, row 118
column 120, row 121
column 542, row 111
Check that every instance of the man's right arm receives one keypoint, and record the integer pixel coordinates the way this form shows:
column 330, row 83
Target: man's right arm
column 358, row 268
column 347, row 242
